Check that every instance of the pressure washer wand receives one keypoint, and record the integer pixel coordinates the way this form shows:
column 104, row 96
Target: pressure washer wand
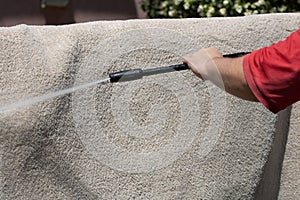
column 135, row 74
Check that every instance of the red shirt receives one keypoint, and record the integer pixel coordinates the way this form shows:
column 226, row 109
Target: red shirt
column 273, row 73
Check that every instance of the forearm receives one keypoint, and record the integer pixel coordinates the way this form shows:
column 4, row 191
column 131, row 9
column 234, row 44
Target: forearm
column 233, row 78
column 226, row 73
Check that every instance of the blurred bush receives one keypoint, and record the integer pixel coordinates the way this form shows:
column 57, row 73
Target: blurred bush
column 215, row 8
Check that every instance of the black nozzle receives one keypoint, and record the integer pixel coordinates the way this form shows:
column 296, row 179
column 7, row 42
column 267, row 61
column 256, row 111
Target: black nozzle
column 126, row 75
column 134, row 74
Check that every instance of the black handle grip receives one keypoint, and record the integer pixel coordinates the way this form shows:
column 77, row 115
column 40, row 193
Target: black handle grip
column 134, row 74
column 236, row 55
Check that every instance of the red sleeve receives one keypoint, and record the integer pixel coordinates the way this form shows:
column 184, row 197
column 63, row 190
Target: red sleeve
column 273, row 73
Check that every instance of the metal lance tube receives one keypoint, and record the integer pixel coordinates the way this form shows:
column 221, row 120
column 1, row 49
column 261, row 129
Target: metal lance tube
column 135, row 74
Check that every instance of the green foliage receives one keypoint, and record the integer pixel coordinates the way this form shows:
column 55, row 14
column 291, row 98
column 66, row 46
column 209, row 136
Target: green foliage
column 216, row 8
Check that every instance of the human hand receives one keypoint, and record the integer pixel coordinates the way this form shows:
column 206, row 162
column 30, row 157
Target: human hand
column 202, row 62
column 226, row 73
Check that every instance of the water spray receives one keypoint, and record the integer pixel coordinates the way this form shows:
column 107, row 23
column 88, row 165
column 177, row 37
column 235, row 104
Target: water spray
column 120, row 76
